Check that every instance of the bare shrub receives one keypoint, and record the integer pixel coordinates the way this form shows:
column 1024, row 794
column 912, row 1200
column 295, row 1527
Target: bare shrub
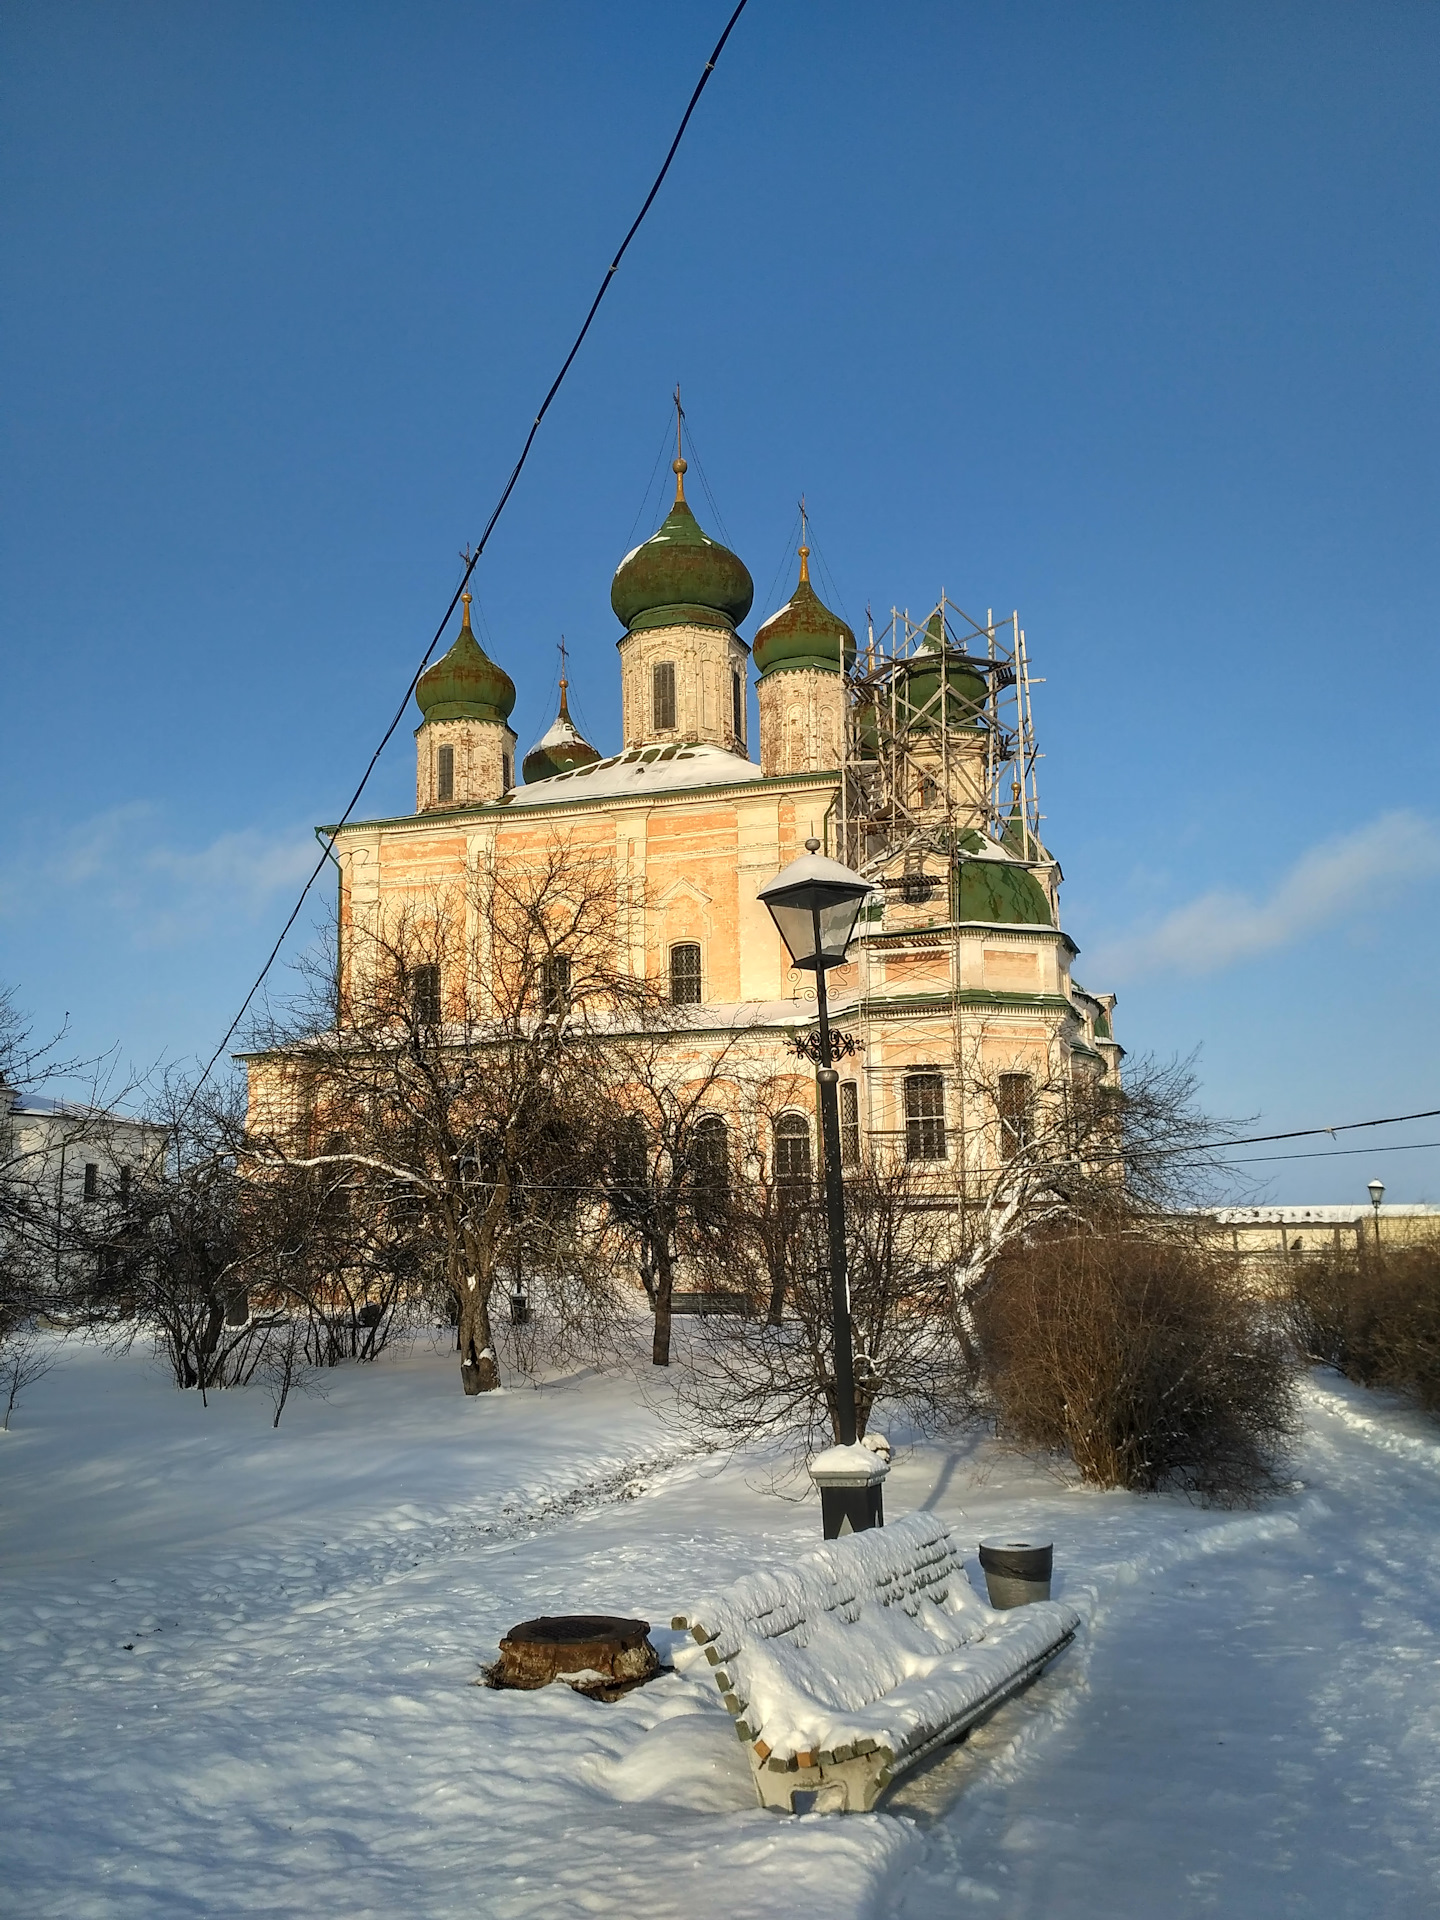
column 23, row 1361
column 1145, row 1358
column 772, row 1369
column 1375, row 1315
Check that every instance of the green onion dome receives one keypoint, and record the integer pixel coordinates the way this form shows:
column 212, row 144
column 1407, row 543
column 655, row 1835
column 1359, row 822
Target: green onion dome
column 804, row 633
column 681, row 577
column 996, row 891
column 937, row 660
column 466, row 684
column 560, row 750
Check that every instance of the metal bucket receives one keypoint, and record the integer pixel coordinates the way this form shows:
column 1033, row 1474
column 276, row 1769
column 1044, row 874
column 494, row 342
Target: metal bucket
column 1016, row 1571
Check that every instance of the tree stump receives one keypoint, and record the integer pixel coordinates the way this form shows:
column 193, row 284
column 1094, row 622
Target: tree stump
column 596, row 1654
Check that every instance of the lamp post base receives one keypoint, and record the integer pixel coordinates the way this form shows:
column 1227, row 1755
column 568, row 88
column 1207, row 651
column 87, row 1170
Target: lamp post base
column 851, row 1482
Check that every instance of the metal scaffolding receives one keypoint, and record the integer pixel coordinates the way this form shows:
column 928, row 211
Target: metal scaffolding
column 940, row 739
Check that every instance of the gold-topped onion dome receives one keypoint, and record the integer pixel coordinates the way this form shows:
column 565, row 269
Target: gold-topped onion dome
column 561, row 749
column 680, row 577
column 804, row 633
column 937, row 659
column 466, row 684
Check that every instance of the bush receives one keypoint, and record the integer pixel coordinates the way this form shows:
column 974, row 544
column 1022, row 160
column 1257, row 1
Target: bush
column 1375, row 1315
column 1147, row 1360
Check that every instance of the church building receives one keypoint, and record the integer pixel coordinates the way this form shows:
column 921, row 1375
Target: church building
column 910, row 759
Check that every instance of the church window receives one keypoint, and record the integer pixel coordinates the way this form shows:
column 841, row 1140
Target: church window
column 508, row 769
column 425, row 995
column 737, row 705
column 849, row 1123
column 92, row 1180
column 1012, row 1096
column 685, row 974
column 924, row 1116
column 792, row 1153
column 445, row 774
column 554, row 983
column 663, row 687
column 124, row 1186
column 929, row 790
column 711, row 1160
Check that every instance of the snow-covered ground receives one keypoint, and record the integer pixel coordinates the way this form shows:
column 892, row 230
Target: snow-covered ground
column 236, row 1670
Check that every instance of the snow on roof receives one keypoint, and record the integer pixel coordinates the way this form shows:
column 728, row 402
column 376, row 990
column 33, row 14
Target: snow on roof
column 639, row 771
column 1320, row 1216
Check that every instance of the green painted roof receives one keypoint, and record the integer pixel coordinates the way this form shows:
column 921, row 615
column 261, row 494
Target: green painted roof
column 804, row 633
column 681, row 576
column 466, row 684
column 1001, row 892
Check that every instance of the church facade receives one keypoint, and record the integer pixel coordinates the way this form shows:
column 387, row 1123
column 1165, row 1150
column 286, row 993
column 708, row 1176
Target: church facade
column 959, row 999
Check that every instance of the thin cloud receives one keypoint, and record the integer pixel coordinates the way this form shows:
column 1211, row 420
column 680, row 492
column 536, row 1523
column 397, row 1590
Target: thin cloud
column 128, row 868
column 1344, row 881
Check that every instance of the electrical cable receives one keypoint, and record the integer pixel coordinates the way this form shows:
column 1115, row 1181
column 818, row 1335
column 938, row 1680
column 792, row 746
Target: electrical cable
column 1306, row 1133
column 1336, row 1153
column 473, row 558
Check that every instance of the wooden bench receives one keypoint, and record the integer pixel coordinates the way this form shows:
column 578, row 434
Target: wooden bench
column 846, row 1668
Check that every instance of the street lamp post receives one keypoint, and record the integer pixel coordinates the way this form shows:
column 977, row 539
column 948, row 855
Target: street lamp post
column 815, row 903
column 1377, row 1194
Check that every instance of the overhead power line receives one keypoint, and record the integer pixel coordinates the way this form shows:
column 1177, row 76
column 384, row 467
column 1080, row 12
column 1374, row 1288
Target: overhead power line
column 1309, row 1133
column 1337, row 1153
column 474, row 557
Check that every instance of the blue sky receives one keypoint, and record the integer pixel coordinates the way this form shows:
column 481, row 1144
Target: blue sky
column 1121, row 314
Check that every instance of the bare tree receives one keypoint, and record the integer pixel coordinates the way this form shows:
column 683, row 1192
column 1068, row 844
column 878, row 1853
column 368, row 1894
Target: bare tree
column 42, row 1256
column 773, row 1369
column 466, row 1085
column 672, row 1172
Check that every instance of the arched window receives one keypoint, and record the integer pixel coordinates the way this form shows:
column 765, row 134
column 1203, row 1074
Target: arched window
column 792, row 1153
column 685, row 974
column 509, row 770
column 445, row 774
column 662, row 685
column 711, row 1158
column 737, row 705
column 630, row 1169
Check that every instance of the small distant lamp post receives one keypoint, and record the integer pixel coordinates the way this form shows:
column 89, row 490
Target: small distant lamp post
column 815, row 903
column 1377, row 1194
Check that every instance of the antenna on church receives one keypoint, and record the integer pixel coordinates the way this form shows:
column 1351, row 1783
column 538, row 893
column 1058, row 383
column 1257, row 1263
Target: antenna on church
column 678, row 467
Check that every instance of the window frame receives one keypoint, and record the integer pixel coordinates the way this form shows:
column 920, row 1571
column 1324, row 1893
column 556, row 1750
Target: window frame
column 849, row 1123
column 662, row 674
column 737, row 703
column 423, row 990
column 793, row 1126
column 553, row 984
column 445, row 771
column 687, row 999
column 710, row 1159
column 926, row 1139
column 1016, row 1121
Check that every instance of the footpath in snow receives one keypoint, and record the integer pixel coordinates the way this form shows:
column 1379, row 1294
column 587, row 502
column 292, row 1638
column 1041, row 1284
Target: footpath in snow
column 236, row 1672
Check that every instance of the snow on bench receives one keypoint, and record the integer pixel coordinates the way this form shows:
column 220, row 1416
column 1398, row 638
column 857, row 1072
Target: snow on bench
column 843, row 1670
